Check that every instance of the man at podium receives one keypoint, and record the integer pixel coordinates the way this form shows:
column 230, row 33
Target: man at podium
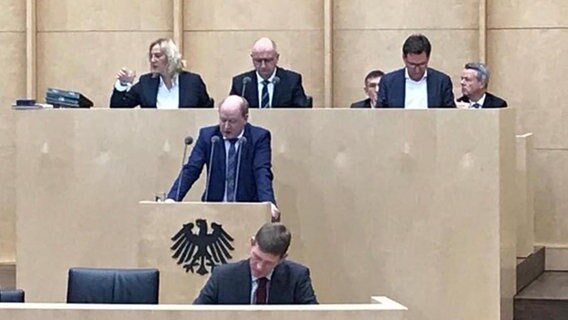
column 264, row 278
column 238, row 156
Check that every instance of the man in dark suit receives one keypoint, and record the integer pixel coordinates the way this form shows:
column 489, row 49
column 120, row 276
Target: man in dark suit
column 371, row 87
column 416, row 86
column 474, row 81
column 265, row 278
column 269, row 86
column 238, row 158
column 167, row 86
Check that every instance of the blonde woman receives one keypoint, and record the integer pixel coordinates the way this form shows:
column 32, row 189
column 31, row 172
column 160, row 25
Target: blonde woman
column 167, row 86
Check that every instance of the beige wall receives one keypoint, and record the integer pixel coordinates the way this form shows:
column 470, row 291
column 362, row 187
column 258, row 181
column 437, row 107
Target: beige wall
column 405, row 224
column 218, row 38
column 81, row 44
column 527, row 55
column 369, row 35
column 12, row 85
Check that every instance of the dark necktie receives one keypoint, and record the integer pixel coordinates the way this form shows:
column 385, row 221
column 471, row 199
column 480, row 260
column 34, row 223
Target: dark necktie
column 231, row 170
column 476, row 105
column 264, row 103
column 261, row 291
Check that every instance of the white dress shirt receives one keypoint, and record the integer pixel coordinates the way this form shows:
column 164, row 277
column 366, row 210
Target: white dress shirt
column 166, row 98
column 480, row 102
column 416, row 92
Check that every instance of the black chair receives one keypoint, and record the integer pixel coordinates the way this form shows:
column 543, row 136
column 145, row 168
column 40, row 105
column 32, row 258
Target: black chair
column 15, row 295
column 119, row 286
column 211, row 103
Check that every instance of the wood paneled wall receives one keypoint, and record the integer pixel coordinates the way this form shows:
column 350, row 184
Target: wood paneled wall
column 81, row 44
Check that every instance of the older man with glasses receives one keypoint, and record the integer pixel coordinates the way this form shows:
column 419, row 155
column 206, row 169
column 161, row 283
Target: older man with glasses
column 474, row 81
column 269, row 86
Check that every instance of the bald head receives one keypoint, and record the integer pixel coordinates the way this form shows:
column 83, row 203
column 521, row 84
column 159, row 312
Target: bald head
column 233, row 115
column 263, row 45
column 264, row 57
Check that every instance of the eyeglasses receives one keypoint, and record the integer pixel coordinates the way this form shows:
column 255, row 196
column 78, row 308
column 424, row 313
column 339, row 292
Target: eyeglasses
column 416, row 65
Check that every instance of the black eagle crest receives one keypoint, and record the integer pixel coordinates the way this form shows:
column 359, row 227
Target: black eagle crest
column 201, row 249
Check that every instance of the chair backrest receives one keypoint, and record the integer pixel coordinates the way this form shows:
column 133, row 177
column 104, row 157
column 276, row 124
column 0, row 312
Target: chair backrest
column 15, row 295
column 121, row 286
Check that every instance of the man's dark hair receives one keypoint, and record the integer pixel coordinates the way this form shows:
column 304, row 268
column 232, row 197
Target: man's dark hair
column 416, row 44
column 273, row 238
column 373, row 74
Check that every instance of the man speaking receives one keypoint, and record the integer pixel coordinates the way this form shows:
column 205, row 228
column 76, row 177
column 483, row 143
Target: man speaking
column 238, row 156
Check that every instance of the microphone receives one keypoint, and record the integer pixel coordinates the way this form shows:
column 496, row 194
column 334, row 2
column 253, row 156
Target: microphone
column 276, row 80
column 187, row 141
column 246, row 80
column 242, row 143
column 214, row 140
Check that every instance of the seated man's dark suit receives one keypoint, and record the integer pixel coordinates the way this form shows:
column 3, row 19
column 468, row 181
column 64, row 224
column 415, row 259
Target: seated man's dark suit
column 491, row 101
column 288, row 93
column 362, row 104
column 255, row 173
column 192, row 92
column 231, row 284
column 393, row 86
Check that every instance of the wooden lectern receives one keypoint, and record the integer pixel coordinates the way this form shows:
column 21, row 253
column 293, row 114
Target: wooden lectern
column 185, row 239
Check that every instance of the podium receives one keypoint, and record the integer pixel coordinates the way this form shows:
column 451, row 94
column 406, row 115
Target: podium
column 202, row 235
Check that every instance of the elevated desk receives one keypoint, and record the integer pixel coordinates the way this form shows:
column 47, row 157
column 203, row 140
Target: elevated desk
column 417, row 205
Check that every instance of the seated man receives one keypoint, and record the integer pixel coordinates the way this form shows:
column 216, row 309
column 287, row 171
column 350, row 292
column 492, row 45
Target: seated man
column 264, row 278
column 371, row 88
column 238, row 156
column 474, row 81
column 416, row 86
column 269, row 86
column 167, row 86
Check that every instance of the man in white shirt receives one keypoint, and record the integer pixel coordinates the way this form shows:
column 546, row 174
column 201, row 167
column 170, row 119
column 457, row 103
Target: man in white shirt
column 416, row 86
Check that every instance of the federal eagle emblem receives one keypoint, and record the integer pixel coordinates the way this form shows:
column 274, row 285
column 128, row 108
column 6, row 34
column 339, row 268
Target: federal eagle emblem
column 201, row 250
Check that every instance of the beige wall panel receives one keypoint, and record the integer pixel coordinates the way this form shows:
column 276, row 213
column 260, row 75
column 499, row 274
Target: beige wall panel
column 84, row 163
column 90, row 68
column 218, row 56
column 98, row 15
column 12, row 86
column 253, row 15
column 530, row 81
column 410, row 14
column 12, row 82
column 358, row 52
column 383, row 229
column 527, row 14
column 551, row 203
column 13, row 16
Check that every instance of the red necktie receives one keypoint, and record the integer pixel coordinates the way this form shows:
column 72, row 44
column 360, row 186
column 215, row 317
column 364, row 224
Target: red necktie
column 261, row 291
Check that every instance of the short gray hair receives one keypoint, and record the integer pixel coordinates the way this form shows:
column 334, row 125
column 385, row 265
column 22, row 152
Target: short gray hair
column 482, row 72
